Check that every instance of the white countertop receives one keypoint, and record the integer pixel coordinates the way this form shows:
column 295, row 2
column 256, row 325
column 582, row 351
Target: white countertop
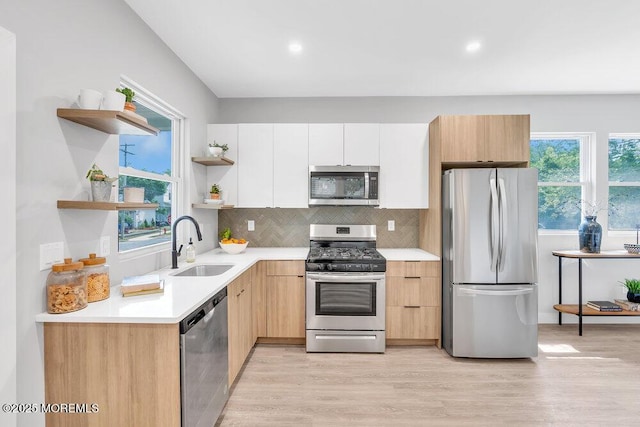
column 182, row 295
column 407, row 254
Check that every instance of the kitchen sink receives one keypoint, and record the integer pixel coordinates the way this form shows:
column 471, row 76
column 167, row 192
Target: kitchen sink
column 204, row 270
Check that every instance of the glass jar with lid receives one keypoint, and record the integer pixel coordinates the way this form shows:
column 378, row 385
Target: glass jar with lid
column 66, row 287
column 97, row 272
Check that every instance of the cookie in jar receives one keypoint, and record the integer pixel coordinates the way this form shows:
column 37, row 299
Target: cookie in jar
column 97, row 272
column 66, row 287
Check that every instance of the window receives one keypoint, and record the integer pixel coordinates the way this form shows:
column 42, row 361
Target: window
column 149, row 162
column 624, row 181
column 564, row 178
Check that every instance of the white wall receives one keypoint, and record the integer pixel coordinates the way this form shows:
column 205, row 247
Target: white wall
column 601, row 114
column 8, row 214
column 64, row 46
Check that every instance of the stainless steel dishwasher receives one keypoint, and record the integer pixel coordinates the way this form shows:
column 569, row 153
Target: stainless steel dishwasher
column 204, row 362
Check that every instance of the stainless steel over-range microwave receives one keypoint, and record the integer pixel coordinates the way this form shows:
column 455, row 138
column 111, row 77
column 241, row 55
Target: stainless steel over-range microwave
column 343, row 185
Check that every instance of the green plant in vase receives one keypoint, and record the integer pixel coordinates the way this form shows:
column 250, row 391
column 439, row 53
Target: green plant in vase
column 129, row 94
column 101, row 184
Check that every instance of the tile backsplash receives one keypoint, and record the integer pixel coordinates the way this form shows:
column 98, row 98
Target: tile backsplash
column 280, row 227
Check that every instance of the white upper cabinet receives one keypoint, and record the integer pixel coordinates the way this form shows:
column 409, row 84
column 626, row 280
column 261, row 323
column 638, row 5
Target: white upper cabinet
column 225, row 176
column 356, row 144
column 404, row 166
column 255, row 165
column 290, row 165
column 362, row 144
column 326, row 144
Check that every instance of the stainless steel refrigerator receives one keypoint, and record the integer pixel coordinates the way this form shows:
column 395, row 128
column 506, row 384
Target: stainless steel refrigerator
column 490, row 262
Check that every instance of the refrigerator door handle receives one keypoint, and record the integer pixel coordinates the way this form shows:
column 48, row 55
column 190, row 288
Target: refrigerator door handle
column 494, row 225
column 514, row 292
column 504, row 222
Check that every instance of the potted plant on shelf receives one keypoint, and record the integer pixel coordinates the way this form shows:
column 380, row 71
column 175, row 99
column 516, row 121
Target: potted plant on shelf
column 128, row 94
column 633, row 289
column 217, row 150
column 101, row 184
column 215, row 192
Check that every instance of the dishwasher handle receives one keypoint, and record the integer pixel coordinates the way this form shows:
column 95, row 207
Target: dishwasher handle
column 205, row 311
column 196, row 318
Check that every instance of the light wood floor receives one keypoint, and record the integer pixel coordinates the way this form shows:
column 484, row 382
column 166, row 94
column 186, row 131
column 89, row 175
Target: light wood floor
column 597, row 385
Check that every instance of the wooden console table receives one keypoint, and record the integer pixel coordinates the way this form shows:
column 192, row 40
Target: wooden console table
column 579, row 309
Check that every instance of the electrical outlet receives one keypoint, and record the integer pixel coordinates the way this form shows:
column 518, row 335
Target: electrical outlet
column 51, row 253
column 251, row 225
column 105, row 246
column 391, row 225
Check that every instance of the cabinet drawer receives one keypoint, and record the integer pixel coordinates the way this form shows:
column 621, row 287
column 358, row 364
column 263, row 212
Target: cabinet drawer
column 285, row 268
column 420, row 291
column 413, row 268
column 413, row 323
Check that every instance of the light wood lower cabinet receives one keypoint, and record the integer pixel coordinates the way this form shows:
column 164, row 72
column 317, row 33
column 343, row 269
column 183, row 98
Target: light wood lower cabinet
column 131, row 371
column 285, row 299
column 413, row 302
column 241, row 338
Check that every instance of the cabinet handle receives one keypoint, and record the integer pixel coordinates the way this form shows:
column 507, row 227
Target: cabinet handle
column 411, row 306
column 411, row 277
column 240, row 293
column 300, row 276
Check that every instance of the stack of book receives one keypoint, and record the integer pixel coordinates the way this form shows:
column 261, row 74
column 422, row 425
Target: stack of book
column 141, row 285
column 628, row 305
column 604, row 306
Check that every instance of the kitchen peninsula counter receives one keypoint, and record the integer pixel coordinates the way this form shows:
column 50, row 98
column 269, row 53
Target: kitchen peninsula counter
column 181, row 296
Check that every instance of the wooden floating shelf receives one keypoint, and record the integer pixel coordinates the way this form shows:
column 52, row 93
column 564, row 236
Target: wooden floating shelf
column 111, row 122
column 588, row 311
column 210, row 206
column 213, row 161
column 104, row 206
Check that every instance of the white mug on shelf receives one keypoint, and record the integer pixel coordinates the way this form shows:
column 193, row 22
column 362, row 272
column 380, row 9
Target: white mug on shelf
column 113, row 100
column 89, row 99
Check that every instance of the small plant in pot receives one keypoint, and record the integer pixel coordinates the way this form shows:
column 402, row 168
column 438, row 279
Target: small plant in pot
column 101, row 184
column 633, row 289
column 128, row 94
column 217, row 150
column 215, row 192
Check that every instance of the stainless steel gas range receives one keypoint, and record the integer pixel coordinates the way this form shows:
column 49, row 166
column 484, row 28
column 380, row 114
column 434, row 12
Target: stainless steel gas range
column 345, row 290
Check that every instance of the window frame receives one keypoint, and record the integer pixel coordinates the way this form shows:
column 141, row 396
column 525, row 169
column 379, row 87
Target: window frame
column 619, row 135
column 178, row 148
column 586, row 181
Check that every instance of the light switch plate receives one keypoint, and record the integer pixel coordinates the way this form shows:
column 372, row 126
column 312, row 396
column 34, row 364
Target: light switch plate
column 51, row 253
column 391, row 225
column 105, row 246
column 251, row 225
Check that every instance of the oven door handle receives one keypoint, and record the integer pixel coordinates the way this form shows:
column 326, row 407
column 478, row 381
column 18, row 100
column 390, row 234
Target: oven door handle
column 346, row 277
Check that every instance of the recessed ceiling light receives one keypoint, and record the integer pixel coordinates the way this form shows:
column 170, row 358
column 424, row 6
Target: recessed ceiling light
column 473, row 46
column 295, row 47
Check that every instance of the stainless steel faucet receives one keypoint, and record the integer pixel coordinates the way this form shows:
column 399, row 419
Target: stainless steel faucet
column 175, row 253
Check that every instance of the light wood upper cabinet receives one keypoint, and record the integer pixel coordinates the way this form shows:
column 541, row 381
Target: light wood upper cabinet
column 462, row 138
column 484, row 138
column 404, row 166
column 255, row 165
column 290, row 165
column 507, row 138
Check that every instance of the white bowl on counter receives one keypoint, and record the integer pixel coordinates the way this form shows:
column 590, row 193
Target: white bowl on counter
column 233, row 248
